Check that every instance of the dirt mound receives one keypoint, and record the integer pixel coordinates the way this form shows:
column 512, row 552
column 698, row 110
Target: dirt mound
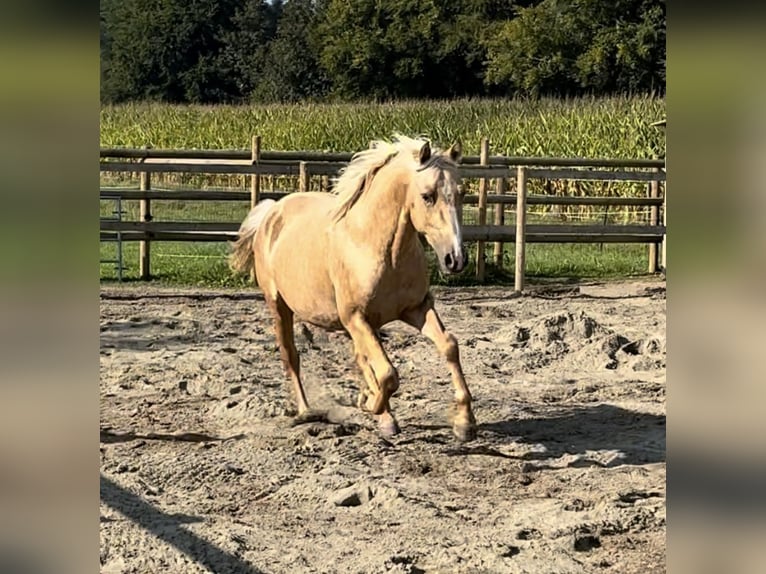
column 559, row 330
column 578, row 338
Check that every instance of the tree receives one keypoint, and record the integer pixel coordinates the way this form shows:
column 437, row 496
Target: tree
column 380, row 49
column 629, row 55
column 105, row 41
column 292, row 71
column 460, row 53
column 246, row 45
column 167, row 50
column 559, row 47
column 213, row 51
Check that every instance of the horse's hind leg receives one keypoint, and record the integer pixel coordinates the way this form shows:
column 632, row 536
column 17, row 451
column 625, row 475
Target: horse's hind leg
column 426, row 320
column 283, row 324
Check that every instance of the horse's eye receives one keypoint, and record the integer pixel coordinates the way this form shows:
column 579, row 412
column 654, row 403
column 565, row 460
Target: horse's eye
column 429, row 198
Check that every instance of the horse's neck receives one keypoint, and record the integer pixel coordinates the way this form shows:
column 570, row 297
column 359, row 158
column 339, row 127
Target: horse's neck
column 381, row 220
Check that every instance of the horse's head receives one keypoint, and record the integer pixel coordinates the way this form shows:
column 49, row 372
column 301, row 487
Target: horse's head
column 434, row 198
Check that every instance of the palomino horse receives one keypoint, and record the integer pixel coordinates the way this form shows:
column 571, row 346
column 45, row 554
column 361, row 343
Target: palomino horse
column 353, row 261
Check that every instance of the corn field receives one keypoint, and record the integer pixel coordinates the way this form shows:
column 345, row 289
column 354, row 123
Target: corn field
column 604, row 127
column 614, row 127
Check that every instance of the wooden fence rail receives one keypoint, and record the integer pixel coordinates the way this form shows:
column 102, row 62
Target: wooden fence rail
column 505, row 170
column 345, row 157
column 332, row 168
column 509, row 199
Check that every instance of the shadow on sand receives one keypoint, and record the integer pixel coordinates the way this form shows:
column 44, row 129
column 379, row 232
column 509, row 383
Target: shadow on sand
column 640, row 437
column 169, row 528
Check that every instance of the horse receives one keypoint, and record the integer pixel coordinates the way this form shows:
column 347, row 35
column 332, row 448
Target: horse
column 353, row 260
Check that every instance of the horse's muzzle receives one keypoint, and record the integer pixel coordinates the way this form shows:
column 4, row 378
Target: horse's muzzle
column 454, row 261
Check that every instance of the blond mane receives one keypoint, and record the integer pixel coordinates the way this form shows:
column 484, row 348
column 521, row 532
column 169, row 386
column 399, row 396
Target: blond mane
column 356, row 177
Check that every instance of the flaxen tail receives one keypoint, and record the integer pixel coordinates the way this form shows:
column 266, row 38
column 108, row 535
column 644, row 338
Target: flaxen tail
column 241, row 258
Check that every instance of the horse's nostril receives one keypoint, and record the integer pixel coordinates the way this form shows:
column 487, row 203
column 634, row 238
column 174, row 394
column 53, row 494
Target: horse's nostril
column 449, row 261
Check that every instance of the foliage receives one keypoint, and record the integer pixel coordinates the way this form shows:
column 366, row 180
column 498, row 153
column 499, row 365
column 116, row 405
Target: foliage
column 209, row 51
column 558, row 47
column 380, row 49
column 292, row 71
column 245, row 53
column 166, row 50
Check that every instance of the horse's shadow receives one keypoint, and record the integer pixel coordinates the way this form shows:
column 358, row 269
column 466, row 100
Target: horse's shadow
column 638, row 438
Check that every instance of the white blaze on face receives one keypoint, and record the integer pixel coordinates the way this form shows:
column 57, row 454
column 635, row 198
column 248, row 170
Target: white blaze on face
column 457, row 241
column 457, row 235
column 445, row 187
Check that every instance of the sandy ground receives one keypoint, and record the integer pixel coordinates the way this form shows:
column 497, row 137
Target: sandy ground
column 202, row 471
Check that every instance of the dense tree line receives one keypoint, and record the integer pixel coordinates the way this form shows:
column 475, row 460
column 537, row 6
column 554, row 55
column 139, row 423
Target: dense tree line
column 211, row 51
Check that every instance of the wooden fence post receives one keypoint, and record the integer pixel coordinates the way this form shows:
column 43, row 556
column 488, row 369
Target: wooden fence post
column 521, row 222
column 145, row 214
column 654, row 189
column 663, row 261
column 483, row 160
column 459, row 210
column 303, row 177
column 499, row 220
column 255, row 179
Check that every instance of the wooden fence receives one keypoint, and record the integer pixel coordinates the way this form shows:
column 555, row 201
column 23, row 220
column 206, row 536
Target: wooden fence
column 257, row 163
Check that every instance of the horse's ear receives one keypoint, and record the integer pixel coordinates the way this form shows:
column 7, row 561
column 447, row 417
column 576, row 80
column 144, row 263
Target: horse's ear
column 456, row 152
column 425, row 152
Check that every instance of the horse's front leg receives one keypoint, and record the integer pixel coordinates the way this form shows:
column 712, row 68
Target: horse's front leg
column 379, row 374
column 426, row 320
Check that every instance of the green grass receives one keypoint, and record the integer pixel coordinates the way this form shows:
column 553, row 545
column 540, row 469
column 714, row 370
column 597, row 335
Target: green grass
column 586, row 261
column 204, row 264
column 175, row 263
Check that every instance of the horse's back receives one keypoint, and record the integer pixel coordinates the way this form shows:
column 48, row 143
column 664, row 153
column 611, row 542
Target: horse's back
column 291, row 251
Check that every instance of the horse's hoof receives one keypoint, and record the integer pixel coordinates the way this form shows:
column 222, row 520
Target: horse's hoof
column 464, row 433
column 310, row 416
column 388, row 428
